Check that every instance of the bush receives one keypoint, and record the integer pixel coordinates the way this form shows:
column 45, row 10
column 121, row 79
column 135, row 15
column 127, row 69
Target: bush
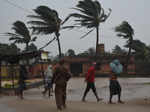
column 10, row 85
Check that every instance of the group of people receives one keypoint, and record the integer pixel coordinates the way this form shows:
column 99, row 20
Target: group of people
column 114, row 86
column 60, row 76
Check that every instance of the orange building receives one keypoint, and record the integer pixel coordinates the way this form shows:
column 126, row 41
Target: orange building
column 78, row 66
column 38, row 62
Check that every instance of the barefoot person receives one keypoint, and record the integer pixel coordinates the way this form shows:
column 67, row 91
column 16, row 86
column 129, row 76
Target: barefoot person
column 48, row 80
column 115, row 88
column 21, row 81
column 60, row 78
column 90, row 80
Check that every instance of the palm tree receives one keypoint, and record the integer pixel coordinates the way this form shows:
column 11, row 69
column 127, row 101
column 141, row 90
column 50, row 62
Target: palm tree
column 70, row 52
column 118, row 50
column 21, row 34
column 91, row 51
column 90, row 15
column 137, row 46
column 126, row 31
column 33, row 47
column 46, row 21
column 11, row 49
column 142, row 51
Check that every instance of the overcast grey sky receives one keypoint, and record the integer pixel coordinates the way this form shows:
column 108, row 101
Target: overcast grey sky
column 136, row 12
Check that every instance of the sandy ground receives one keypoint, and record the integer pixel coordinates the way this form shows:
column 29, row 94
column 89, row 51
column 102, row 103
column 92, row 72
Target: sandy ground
column 135, row 94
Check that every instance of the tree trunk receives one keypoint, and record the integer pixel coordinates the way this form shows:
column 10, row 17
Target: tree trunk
column 27, row 46
column 128, row 55
column 12, row 76
column 0, row 78
column 97, row 40
column 59, row 47
column 27, row 49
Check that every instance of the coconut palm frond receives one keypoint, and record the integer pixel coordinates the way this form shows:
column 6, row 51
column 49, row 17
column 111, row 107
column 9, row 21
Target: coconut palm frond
column 98, row 7
column 14, row 38
column 87, row 13
column 12, row 35
column 76, row 15
column 86, row 34
column 48, row 20
column 20, row 28
column 35, row 17
column 125, row 28
column 17, row 40
column 122, row 35
column 33, row 39
column 43, row 30
column 88, row 6
column 21, row 34
column 39, row 23
column 69, row 27
column 48, row 43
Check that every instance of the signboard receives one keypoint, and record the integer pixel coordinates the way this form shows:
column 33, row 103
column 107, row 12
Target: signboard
column 44, row 56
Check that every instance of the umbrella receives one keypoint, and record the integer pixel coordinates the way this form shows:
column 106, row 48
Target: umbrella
column 116, row 66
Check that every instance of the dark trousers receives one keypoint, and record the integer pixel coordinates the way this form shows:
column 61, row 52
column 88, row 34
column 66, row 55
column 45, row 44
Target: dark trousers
column 90, row 85
column 48, row 87
column 60, row 95
column 19, row 91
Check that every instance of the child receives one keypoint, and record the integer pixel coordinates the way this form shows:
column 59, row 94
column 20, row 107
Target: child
column 115, row 88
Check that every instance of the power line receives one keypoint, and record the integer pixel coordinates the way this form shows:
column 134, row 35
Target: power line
column 17, row 6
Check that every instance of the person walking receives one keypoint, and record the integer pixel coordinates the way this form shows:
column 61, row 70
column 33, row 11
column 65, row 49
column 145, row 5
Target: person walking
column 48, row 81
column 114, row 86
column 90, row 80
column 21, row 81
column 60, row 78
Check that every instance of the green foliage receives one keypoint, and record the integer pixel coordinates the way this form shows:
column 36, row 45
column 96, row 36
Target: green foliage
column 32, row 47
column 89, row 52
column 142, row 51
column 137, row 45
column 7, row 85
column 118, row 50
column 11, row 49
column 124, row 30
column 70, row 52
column 21, row 34
column 84, row 54
column 146, row 83
column 46, row 21
column 89, row 15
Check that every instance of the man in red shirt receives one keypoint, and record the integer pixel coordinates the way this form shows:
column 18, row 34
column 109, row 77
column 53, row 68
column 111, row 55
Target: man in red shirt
column 90, row 79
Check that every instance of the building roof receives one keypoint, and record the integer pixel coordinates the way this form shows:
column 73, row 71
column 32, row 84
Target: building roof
column 20, row 56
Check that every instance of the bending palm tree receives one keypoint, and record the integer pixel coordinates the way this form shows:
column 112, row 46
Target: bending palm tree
column 46, row 22
column 90, row 15
column 21, row 35
column 126, row 31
